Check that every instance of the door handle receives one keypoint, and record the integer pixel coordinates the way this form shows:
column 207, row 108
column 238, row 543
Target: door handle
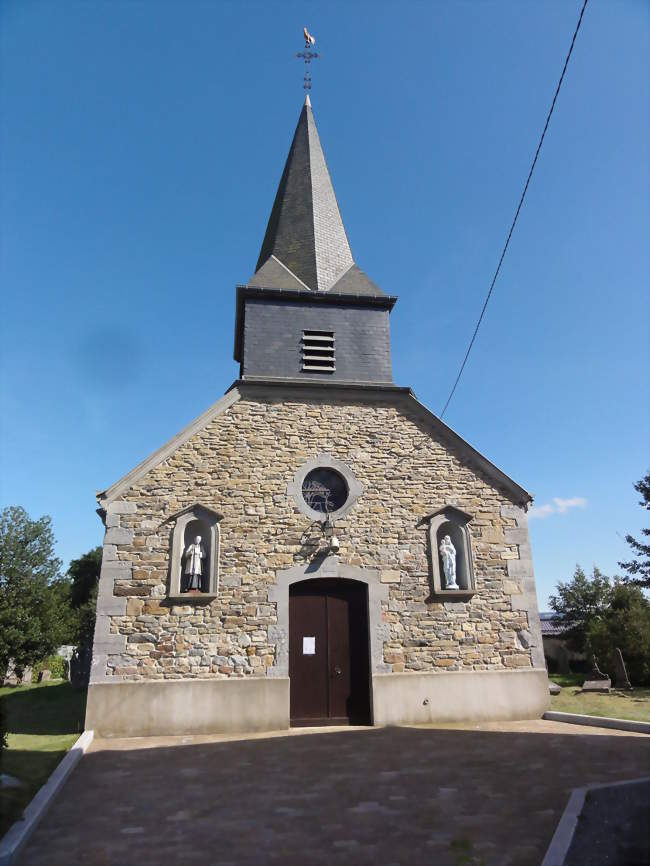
column 338, row 671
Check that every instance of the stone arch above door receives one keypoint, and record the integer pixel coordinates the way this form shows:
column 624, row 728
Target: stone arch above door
column 328, row 567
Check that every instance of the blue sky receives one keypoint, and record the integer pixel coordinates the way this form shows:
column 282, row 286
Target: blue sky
column 141, row 146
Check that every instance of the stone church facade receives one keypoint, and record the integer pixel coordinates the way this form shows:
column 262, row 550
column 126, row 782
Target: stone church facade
column 321, row 493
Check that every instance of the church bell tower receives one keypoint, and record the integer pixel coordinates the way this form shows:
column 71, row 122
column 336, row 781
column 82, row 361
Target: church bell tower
column 309, row 313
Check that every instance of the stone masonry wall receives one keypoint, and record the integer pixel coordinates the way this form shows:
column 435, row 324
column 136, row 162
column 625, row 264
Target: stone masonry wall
column 239, row 466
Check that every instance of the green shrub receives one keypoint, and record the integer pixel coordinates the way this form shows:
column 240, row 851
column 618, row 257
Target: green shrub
column 54, row 663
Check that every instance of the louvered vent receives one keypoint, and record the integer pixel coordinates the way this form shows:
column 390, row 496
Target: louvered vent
column 318, row 351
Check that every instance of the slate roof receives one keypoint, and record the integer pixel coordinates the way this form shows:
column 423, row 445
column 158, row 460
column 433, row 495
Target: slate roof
column 551, row 626
column 306, row 247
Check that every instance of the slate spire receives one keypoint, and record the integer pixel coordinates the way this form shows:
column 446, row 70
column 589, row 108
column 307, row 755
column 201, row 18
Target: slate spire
column 305, row 232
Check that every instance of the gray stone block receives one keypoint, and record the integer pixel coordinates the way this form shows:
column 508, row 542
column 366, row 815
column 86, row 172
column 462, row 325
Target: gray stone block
column 110, row 553
column 98, row 666
column 230, row 580
column 525, row 638
column 111, row 605
column 519, row 568
column 116, row 569
column 141, row 637
column 598, row 686
column 111, row 645
column 118, row 507
column 513, row 511
column 117, row 535
column 516, row 536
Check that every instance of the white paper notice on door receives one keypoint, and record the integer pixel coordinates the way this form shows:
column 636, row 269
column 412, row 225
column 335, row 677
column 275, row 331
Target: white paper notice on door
column 309, row 646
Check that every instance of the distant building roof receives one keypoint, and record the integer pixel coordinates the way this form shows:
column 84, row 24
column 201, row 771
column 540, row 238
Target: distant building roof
column 551, row 625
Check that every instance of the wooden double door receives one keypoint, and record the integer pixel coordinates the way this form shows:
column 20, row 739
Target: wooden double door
column 329, row 650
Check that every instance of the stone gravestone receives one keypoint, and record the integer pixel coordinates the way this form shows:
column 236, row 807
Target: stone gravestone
column 596, row 681
column 622, row 679
column 26, row 676
column 11, row 677
column 66, row 652
column 44, row 676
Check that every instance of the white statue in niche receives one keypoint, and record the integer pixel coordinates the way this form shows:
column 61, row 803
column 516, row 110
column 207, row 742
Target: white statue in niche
column 194, row 554
column 448, row 556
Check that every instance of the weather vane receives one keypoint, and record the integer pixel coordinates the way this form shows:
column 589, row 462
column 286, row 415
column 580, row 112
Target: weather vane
column 308, row 55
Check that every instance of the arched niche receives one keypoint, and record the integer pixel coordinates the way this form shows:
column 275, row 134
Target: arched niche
column 453, row 522
column 193, row 521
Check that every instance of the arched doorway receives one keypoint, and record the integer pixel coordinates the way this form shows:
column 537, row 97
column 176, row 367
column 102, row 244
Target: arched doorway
column 329, row 666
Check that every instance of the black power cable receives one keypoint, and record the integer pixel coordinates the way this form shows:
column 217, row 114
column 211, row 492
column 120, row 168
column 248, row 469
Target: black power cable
column 521, row 201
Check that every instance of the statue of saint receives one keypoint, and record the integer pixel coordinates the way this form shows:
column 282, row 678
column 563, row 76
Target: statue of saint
column 194, row 554
column 448, row 556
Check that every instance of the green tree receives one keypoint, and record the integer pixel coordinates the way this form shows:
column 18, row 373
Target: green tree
column 83, row 574
column 639, row 568
column 61, row 591
column 31, row 621
column 578, row 603
column 625, row 624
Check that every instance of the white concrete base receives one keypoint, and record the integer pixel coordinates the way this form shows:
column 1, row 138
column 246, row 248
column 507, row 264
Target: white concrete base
column 167, row 707
column 171, row 707
column 463, row 696
column 18, row 834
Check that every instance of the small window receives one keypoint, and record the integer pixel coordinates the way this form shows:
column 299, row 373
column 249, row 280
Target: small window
column 318, row 351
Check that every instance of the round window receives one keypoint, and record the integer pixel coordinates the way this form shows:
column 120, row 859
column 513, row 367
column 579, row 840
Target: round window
column 325, row 490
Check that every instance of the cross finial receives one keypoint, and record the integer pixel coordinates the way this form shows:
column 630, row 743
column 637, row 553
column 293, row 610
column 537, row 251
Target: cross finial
column 307, row 55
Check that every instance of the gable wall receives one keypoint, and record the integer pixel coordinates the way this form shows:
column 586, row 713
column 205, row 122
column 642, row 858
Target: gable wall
column 239, row 465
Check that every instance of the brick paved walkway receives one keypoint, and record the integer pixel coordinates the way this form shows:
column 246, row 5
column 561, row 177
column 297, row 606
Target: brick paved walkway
column 386, row 797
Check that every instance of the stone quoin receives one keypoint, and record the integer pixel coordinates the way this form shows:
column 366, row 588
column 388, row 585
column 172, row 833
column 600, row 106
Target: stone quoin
column 318, row 488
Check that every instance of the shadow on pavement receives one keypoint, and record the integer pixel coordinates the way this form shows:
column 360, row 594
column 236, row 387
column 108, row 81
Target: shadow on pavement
column 385, row 796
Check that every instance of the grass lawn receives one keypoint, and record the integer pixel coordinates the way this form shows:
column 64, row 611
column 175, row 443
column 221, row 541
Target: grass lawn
column 43, row 722
column 618, row 705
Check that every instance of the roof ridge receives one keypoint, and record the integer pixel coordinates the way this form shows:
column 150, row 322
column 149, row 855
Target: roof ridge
column 282, row 264
column 333, row 253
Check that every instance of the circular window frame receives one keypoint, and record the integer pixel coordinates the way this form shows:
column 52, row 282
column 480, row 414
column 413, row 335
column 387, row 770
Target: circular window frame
column 333, row 481
column 324, row 461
